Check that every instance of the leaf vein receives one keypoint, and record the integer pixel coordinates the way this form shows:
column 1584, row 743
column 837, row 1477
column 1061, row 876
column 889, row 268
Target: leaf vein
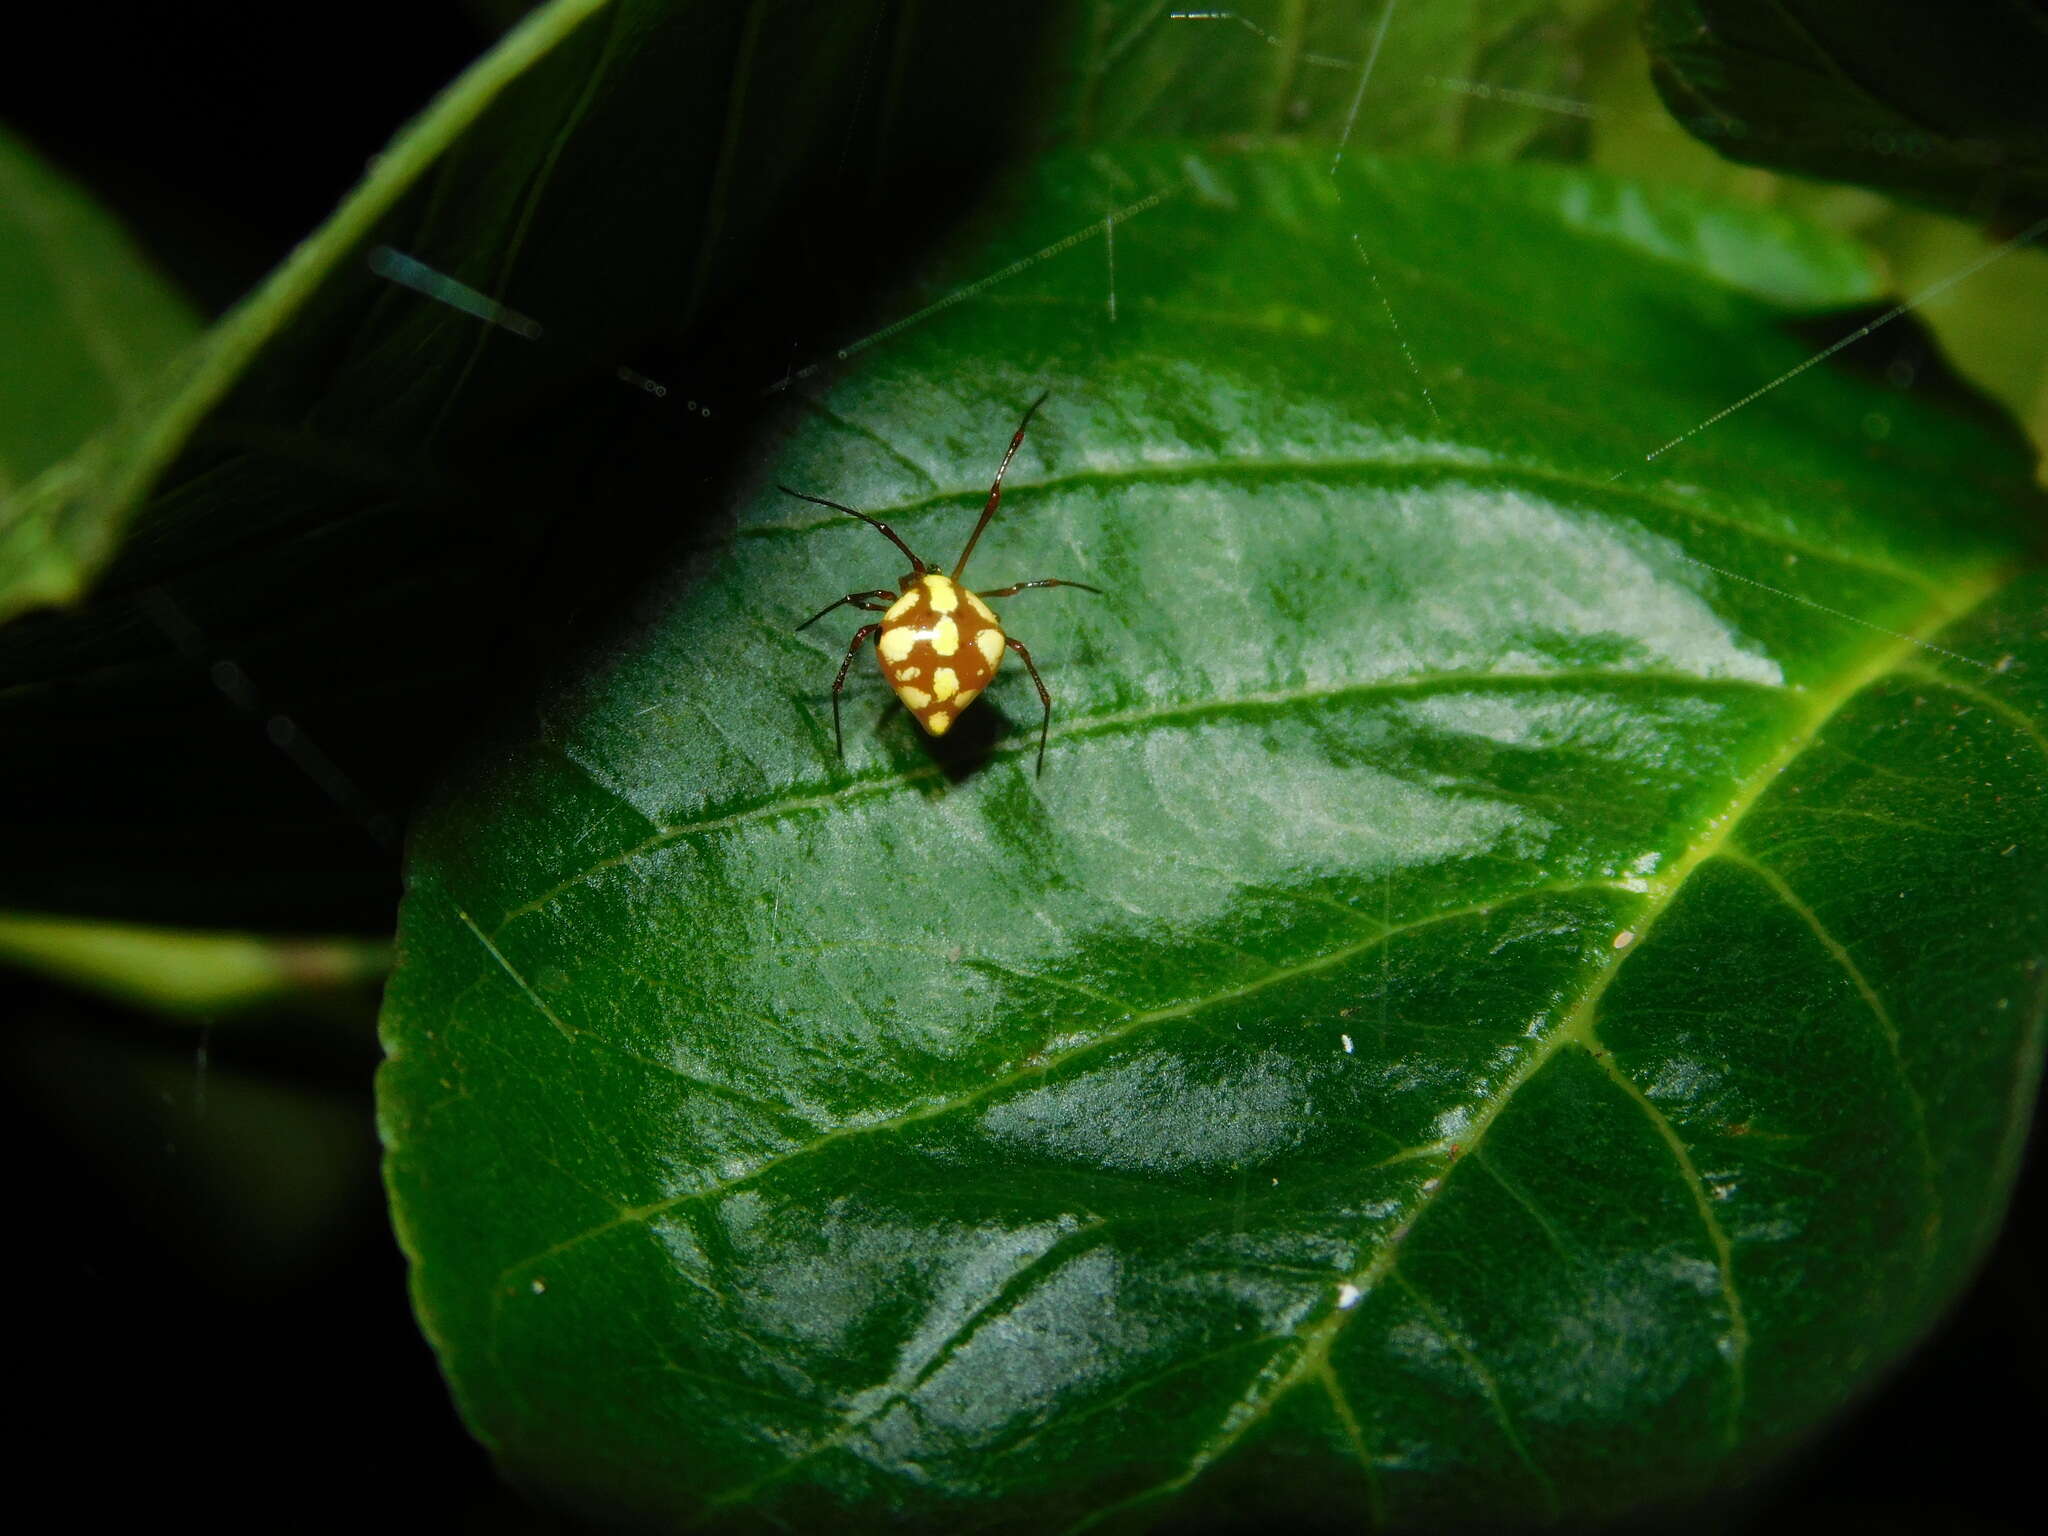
column 1340, row 1405
column 529, row 206
column 712, row 229
column 888, row 1394
column 2026, row 1078
column 1269, row 1385
column 1521, row 1197
column 512, row 971
column 1039, row 1067
column 1735, row 1345
column 2018, row 718
column 1487, row 1384
column 1886, row 1025
column 1449, row 464
column 1419, row 685
column 869, row 435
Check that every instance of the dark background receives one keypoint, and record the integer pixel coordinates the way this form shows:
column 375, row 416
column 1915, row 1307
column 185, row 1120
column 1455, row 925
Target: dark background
column 210, row 1371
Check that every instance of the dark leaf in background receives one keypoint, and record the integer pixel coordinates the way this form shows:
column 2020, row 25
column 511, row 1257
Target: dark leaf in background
column 1139, row 69
column 342, row 493
column 1516, row 992
column 85, row 326
column 1942, row 104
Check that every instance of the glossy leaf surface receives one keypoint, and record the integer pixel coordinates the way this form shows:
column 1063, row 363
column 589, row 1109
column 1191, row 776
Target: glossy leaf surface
column 1516, row 993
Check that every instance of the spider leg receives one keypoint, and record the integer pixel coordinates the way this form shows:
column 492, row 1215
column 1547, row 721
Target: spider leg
column 860, row 638
column 887, row 532
column 867, row 600
column 1045, row 728
column 995, row 491
column 1050, row 581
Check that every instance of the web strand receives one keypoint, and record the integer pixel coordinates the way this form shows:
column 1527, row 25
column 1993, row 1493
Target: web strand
column 1572, row 107
column 1997, row 253
column 409, row 272
column 1372, row 59
column 1970, row 269
column 234, row 684
column 1479, row 90
column 413, row 274
column 981, row 285
column 1315, row 60
column 1838, row 613
column 1109, row 251
column 1400, row 336
column 1541, row 101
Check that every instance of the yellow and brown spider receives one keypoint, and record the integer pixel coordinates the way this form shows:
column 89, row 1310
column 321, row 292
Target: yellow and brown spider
column 941, row 644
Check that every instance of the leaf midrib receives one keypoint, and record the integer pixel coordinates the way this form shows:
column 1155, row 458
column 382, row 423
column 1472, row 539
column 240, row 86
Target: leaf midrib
column 1311, row 1355
column 1474, row 465
column 1115, row 722
column 987, row 1087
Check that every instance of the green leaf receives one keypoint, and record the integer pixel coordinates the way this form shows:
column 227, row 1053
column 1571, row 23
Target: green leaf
column 1453, row 77
column 185, row 973
column 86, row 322
column 321, row 531
column 86, row 327
column 1941, row 104
column 1988, row 325
column 1517, row 993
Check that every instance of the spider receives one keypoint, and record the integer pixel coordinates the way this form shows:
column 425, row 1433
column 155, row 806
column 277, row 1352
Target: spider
column 940, row 643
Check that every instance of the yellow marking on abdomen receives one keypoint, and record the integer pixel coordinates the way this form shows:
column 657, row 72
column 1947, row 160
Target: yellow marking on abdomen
column 945, row 636
column 982, row 608
column 937, row 721
column 945, row 682
column 895, row 643
column 944, row 595
column 990, row 643
column 916, row 698
column 901, row 606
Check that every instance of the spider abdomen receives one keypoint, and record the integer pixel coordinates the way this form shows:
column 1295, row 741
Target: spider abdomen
column 939, row 647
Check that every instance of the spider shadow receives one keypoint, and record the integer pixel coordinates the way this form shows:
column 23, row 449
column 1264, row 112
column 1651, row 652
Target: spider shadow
column 958, row 755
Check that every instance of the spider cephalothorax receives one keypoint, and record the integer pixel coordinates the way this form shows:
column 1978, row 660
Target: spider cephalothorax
column 940, row 644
